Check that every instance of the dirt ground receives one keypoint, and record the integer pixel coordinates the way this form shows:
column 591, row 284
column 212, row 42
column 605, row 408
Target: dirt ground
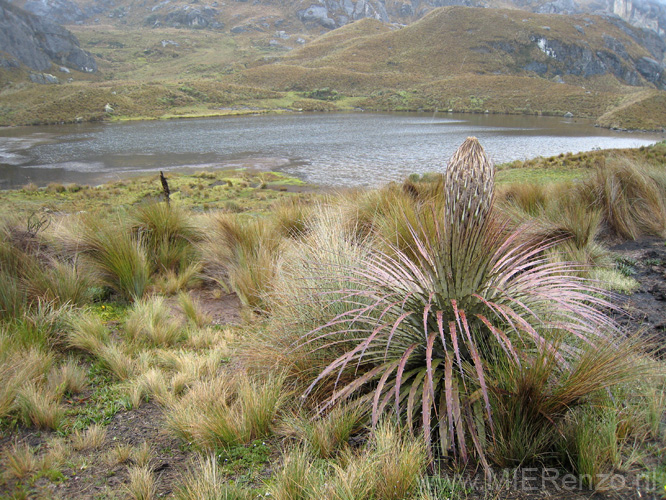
column 646, row 308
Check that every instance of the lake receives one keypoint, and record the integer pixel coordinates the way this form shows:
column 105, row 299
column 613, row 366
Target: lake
column 338, row 149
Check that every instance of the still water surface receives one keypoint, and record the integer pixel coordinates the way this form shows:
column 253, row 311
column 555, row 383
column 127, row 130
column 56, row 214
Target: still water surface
column 330, row 149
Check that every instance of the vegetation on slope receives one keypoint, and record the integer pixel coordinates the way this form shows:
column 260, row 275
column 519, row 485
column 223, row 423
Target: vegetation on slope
column 497, row 66
column 379, row 350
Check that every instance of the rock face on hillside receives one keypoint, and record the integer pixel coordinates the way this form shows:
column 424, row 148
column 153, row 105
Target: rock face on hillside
column 38, row 43
column 183, row 17
column 571, row 59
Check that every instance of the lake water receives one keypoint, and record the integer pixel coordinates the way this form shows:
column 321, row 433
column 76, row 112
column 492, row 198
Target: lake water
column 342, row 149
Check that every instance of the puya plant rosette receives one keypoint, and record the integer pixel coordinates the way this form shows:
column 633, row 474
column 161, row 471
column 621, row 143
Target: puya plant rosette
column 422, row 329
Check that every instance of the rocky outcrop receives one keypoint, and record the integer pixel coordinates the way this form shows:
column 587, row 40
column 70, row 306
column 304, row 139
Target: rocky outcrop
column 38, row 43
column 560, row 58
column 59, row 11
column 185, row 17
column 334, row 14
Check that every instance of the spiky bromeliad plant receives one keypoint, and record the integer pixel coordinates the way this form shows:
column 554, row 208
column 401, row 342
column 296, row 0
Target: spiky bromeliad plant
column 425, row 324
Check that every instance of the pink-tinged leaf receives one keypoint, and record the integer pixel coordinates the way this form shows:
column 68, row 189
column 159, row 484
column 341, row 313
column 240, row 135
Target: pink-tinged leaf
column 426, row 312
column 411, row 399
column 440, row 328
column 443, row 425
column 478, row 366
column 454, row 342
column 378, row 391
column 448, row 392
column 501, row 337
column 426, row 404
column 477, row 444
column 396, row 324
column 398, row 377
column 429, row 347
column 457, row 422
column 350, row 388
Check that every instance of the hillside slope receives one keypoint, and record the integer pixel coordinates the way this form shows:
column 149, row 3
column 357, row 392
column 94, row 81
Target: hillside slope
column 458, row 58
column 470, row 59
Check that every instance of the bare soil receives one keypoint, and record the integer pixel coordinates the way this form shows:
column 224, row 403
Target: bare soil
column 646, row 308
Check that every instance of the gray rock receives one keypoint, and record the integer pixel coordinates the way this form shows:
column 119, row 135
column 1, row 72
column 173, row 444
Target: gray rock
column 537, row 67
column 300, row 40
column 568, row 115
column 9, row 63
column 59, row 11
column 317, row 14
column 185, row 17
column 558, row 7
column 62, row 69
column 38, row 43
column 43, row 78
column 282, row 34
column 651, row 70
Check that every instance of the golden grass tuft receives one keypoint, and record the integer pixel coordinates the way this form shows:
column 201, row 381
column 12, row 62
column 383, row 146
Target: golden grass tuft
column 39, row 408
column 90, row 439
column 205, row 480
column 150, row 322
column 141, row 484
column 86, row 332
column 193, row 310
column 630, row 196
column 68, row 378
column 20, row 460
column 222, row 413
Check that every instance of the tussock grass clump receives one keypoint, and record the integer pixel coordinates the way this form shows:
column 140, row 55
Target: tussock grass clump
column 193, row 310
column 154, row 384
column 62, row 283
column 205, row 480
column 327, row 435
column 173, row 282
column 150, row 322
column 86, row 332
column 631, row 196
column 20, row 368
column 303, row 297
column 39, row 408
column 141, row 483
column 68, row 378
column 242, row 253
column 169, row 235
column 20, row 460
column 114, row 359
column 91, row 438
column 223, row 413
column 116, row 256
column 391, row 467
column 532, row 401
column 292, row 216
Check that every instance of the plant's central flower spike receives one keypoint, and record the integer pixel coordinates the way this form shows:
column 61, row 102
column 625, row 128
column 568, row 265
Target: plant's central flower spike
column 470, row 183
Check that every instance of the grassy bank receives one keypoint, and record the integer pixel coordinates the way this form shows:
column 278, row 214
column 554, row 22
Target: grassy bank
column 431, row 339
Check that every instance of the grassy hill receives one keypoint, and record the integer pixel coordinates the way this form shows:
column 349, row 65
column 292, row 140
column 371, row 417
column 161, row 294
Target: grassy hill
column 465, row 59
